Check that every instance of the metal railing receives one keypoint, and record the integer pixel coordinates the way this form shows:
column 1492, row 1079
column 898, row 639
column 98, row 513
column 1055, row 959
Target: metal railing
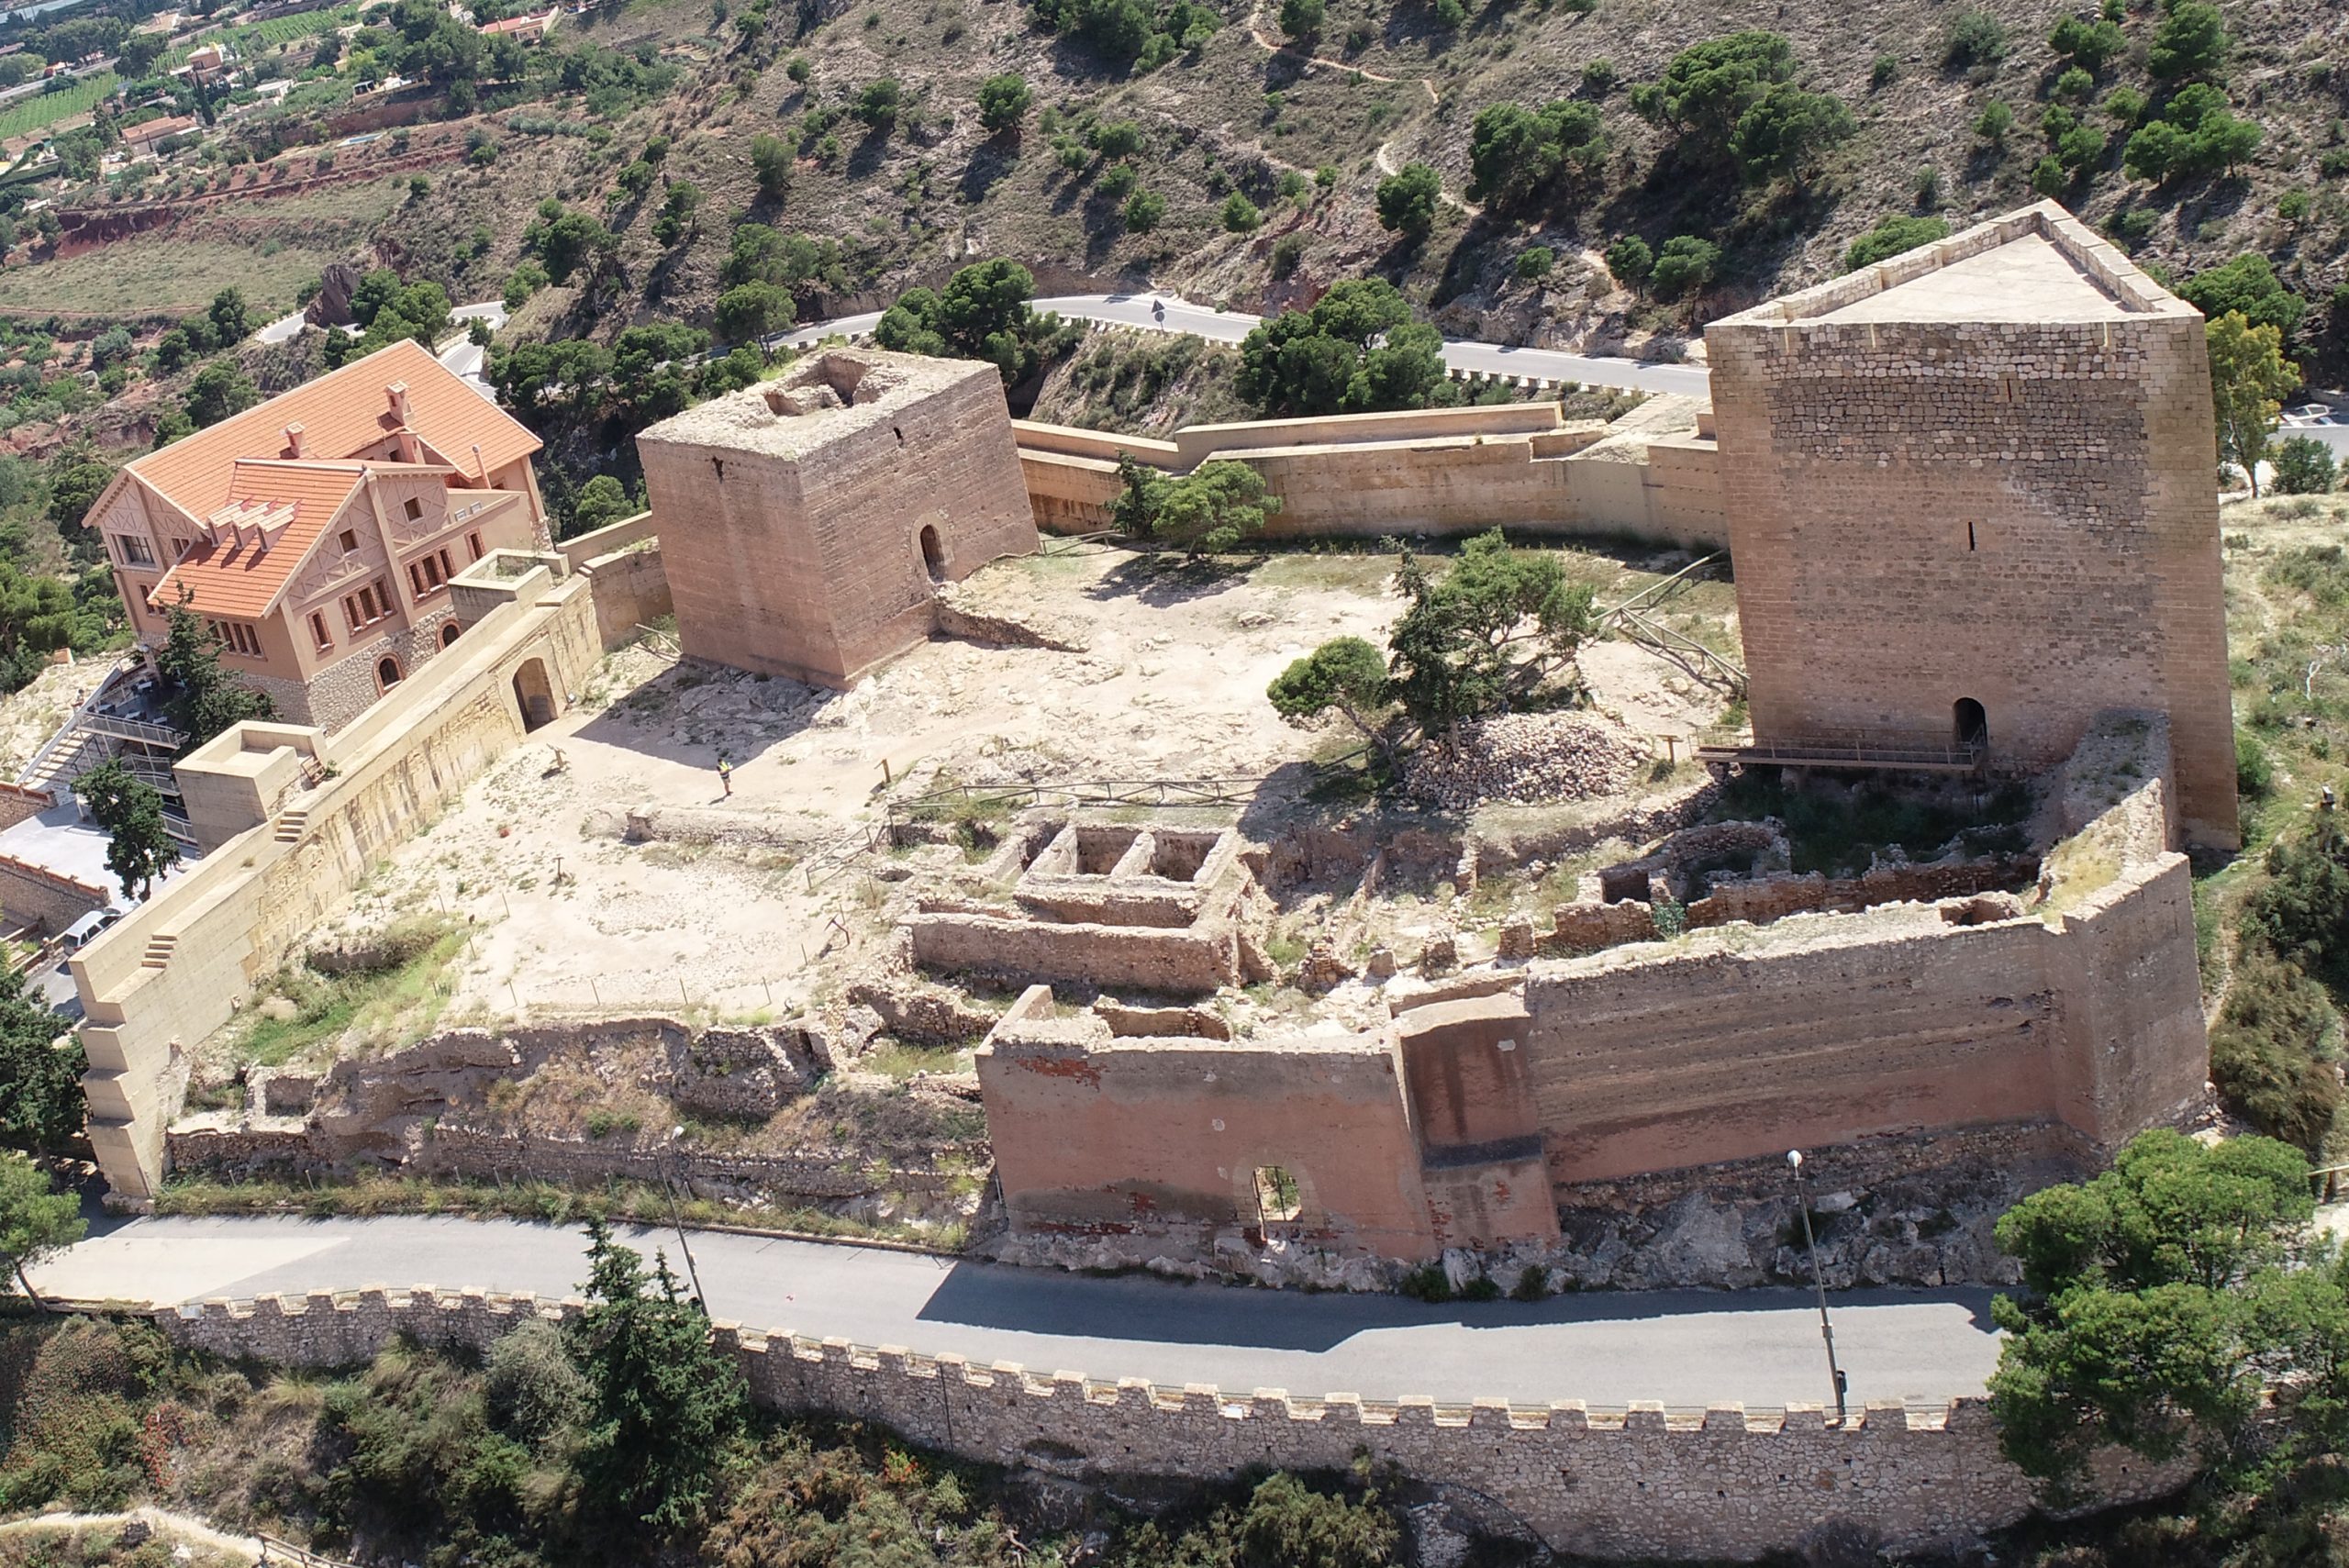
column 1634, row 621
column 136, row 729
column 1827, row 752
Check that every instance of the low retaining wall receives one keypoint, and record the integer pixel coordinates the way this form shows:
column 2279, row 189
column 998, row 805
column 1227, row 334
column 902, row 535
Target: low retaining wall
column 36, row 895
column 1173, row 961
column 1645, row 1482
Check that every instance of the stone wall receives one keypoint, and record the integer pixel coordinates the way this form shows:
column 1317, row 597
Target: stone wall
column 1726, row 1482
column 806, row 521
column 2079, row 1009
column 1927, row 508
column 164, row 978
column 1441, row 472
column 1177, row 961
column 34, row 895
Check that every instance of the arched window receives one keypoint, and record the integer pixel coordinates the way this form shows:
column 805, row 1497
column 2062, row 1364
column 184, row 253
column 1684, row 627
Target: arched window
column 933, row 554
column 448, row 634
column 388, row 672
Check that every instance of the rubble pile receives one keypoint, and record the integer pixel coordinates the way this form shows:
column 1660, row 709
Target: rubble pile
column 1526, row 757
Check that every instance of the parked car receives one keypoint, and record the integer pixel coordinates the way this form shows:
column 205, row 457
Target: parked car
column 82, row 933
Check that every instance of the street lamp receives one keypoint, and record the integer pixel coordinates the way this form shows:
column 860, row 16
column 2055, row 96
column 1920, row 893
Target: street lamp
column 677, row 1222
column 1818, row 1281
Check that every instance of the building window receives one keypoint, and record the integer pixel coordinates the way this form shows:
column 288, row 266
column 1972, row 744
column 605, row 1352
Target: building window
column 388, row 672
column 428, row 575
column 180, row 547
column 368, row 606
column 349, row 541
column 318, row 631
column 133, row 549
column 472, row 542
column 237, row 638
column 413, row 508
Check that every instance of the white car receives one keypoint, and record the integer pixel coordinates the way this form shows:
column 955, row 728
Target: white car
column 82, row 933
column 2309, row 414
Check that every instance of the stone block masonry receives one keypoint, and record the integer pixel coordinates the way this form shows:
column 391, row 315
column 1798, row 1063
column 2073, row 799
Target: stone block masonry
column 1969, row 494
column 1726, row 1482
column 807, row 522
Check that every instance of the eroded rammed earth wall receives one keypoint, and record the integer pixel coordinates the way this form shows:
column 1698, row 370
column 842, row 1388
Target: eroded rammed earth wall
column 1723, row 1044
column 1725, row 1484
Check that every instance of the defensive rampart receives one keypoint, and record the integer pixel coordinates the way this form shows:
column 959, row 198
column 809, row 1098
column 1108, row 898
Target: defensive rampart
column 297, row 818
column 2079, row 1009
column 1648, row 476
column 1726, row 1482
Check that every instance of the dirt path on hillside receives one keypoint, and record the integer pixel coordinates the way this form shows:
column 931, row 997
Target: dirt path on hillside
column 1383, row 157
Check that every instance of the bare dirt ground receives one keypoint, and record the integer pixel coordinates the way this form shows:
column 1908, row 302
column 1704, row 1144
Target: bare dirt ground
column 738, row 907
column 28, row 718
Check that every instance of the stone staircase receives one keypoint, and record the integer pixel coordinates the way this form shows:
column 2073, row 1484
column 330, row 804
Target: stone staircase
column 159, row 952
column 291, row 826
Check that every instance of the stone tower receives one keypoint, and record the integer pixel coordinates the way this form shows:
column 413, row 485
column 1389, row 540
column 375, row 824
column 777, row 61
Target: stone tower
column 1971, row 505
column 806, row 522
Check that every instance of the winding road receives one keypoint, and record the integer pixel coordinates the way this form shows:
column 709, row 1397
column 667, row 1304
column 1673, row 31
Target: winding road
column 1685, row 1348
column 1231, row 326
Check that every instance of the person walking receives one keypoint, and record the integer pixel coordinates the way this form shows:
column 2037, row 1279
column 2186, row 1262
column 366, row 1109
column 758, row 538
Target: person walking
column 725, row 774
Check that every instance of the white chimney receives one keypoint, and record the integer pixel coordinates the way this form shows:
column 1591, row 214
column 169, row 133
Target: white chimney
column 294, row 439
column 397, row 393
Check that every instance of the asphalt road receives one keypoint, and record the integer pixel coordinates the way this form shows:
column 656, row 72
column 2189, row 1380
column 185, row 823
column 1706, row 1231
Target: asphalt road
column 1231, row 326
column 1685, row 1348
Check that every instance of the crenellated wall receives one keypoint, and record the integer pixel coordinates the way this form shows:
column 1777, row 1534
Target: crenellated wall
column 1726, row 1482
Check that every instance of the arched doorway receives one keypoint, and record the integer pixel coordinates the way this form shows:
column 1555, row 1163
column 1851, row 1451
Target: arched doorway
column 534, row 694
column 1971, row 725
column 388, row 673
column 448, row 634
column 933, row 554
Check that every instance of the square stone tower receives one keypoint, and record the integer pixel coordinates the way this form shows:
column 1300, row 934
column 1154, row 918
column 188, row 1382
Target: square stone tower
column 1971, row 505
column 806, row 522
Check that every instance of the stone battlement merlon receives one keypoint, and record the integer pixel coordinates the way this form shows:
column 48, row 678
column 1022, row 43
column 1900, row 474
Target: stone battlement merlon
column 1643, row 1480
column 267, row 1328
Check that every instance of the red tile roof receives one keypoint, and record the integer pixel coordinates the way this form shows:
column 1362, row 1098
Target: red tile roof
column 343, row 412
column 293, row 502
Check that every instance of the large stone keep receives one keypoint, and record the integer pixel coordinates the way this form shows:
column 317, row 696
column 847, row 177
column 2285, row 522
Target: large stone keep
column 806, row 522
column 1970, row 499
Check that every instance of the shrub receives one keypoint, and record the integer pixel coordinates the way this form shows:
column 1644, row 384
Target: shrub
column 1535, row 262
column 1286, row 251
column 1685, row 264
column 1240, row 215
column 1599, row 77
column 1629, row 262
column 1003, row 102
column 2075, row 84
column 1532, row 1284
column 2191, row 41
column 1426, row 1283
column 2304, row 466
column 2254, row 775
column 1993, row 123
column 2302, row 910
column 2271, row 1051
column 1890, row 238
column 1302, row 18
column 1884, row 72
column 1973, row 38
column 1481, row 1288
column 1406, row 200
column 1145, row 211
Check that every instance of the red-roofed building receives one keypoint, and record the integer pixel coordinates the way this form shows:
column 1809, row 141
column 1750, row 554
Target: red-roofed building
column 316, row 534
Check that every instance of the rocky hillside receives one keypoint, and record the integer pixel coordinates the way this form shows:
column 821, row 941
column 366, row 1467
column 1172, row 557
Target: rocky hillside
column 1265, row 161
